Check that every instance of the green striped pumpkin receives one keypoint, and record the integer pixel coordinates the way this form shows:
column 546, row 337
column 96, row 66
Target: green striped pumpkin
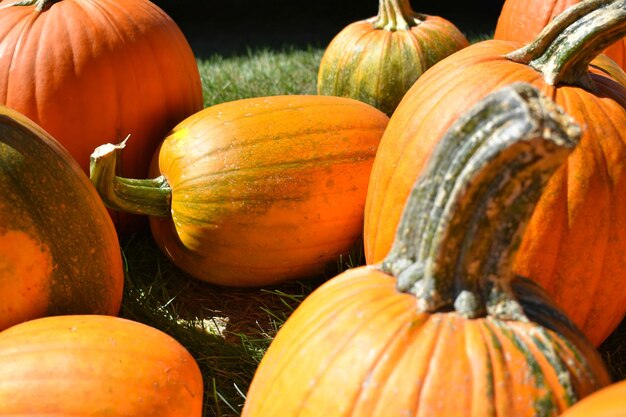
column 59, row 252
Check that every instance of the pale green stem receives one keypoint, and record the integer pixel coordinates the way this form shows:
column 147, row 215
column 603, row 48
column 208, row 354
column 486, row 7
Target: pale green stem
column 150, row 197
column 563, row 50
column 396, row 15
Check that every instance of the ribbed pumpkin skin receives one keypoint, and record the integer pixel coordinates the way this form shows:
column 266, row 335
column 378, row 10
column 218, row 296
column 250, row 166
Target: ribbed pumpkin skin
column 574, row 243
column 362, row 350
column 59, row 252
column 96, row 366
column 378, row 66
column 267, row 189
column 607, row 402
column 522, row 20
column 96, row 71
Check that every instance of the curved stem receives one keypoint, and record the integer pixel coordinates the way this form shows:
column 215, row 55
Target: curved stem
column 466, row 214
column 150, row 197
column 40, row 5
column 396, row 15
column 564, row 48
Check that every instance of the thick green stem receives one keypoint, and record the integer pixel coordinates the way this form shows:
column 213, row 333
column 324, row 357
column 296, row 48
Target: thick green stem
column 466, row 214
column 396, row 15
column 150, row 197
column 563, row 50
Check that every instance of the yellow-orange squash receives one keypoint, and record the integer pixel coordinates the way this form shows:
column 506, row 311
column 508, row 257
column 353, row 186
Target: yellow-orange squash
column 442, row 327
column 59, row 252
column 575, row 242
column 255, row 191
column 377, row 60
column 90, row 365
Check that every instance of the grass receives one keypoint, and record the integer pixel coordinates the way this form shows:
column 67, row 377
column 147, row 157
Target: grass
column 228, row 330
column 259, row 73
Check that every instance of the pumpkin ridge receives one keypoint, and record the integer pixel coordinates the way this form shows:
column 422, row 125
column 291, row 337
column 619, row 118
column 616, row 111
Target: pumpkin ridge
column 385, row 49
column 515, row 338
column 344, row 57
column 572, row 216
column 23, row 33
column 392, row 344
column 481, row 327
column 499, row 365
column 356, row 302
column 104, row 14
column 557, row 368
column 358, row 65
column 429, row 370
column 565, row 347
column 346, row 302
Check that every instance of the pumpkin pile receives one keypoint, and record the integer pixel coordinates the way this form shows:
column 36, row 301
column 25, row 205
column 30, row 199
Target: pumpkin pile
column 486, row 183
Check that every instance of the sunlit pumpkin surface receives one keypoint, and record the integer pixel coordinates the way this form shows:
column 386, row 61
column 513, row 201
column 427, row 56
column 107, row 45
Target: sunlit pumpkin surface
column 96, row 366
column 577, row 230
column 357, row 347
column 96, row 71
column 267, row 189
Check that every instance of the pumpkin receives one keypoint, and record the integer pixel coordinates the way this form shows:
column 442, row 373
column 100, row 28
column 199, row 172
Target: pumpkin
column 574, row 244
column 443, row 327
column 94, row 71
column 378, row 59
column 255, row 191
column 607, row 402
column 522, row 20
column 59, row 252
column 90, row 365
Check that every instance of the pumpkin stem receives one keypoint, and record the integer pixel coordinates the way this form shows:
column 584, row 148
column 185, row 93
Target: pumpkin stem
column 564, row 48
column 396, row 15
column 40, row 5
column 150, row 197
column 466, row 214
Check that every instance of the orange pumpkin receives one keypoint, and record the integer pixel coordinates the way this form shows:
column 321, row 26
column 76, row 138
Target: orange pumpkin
column 377, row 60
column 59, row 252
column 93, row 71
column 96, row 366
column 574, row 244
column 442, row 327
column 607, row 402
column 522, row 20
column 255, row 191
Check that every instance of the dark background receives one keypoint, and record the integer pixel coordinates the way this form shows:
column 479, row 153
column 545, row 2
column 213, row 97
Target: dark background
column 232, row 26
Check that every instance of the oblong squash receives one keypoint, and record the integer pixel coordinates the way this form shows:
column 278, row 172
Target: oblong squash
column 91, row 365
column 59, row 252
column 255, row 191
